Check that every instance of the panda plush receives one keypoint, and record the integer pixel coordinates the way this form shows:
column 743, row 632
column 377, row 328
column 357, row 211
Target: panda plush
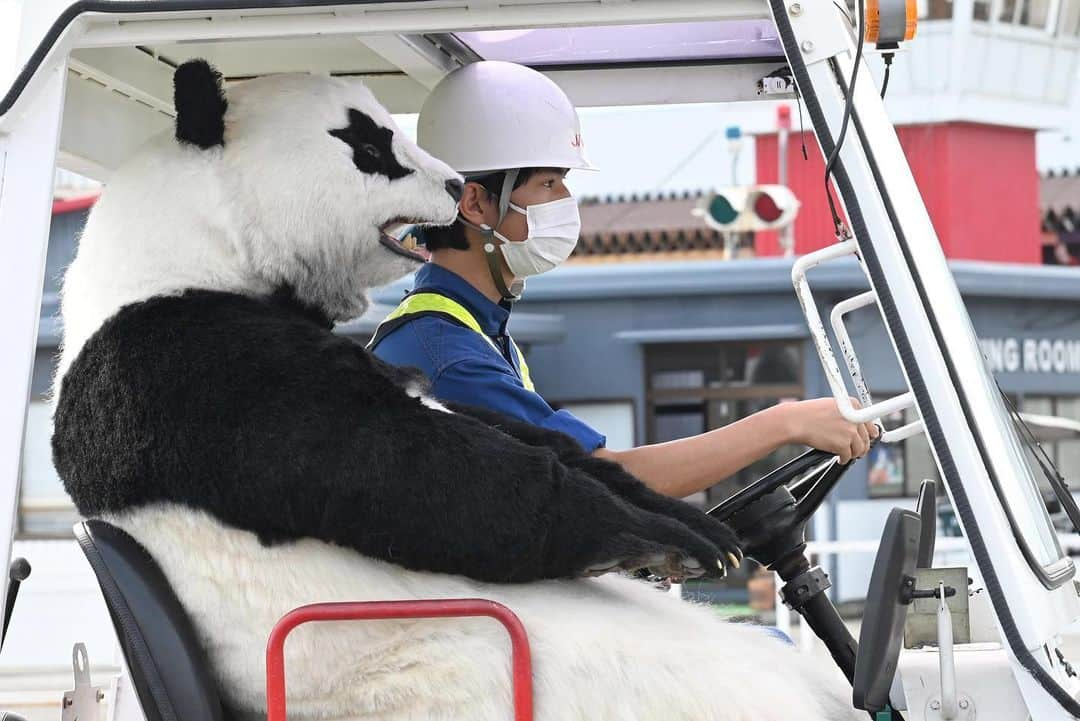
column 205, row 406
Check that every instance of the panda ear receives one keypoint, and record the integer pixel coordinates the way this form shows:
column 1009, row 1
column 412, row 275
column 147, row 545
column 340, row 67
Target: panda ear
column 200, row 104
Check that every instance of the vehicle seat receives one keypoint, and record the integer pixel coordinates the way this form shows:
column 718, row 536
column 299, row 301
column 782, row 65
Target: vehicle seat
column 168, row 667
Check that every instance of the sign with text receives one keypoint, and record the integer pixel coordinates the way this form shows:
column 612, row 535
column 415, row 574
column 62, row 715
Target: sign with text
column 1032, row 355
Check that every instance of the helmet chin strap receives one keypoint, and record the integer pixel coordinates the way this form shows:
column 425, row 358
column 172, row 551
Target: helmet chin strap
column 495, row 269
column 490, row 249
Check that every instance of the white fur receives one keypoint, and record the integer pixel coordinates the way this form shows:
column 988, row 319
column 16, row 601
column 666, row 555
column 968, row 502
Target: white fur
column 283, row 202
column 604, row 649
column 414, row 391
column 280, row 202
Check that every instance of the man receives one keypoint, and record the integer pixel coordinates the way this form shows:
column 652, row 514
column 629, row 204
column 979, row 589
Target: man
column 513, row 134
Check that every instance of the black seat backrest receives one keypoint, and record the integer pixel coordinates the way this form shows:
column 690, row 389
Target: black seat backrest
column 168, row 667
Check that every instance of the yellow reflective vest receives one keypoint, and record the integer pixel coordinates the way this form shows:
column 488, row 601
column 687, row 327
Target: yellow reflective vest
column 429, row 303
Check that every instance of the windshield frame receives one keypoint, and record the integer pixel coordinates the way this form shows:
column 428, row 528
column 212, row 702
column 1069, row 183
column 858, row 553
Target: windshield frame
column 1058, row 571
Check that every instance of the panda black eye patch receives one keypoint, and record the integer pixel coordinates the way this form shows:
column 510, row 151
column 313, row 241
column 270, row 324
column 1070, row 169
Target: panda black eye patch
column 372, row 146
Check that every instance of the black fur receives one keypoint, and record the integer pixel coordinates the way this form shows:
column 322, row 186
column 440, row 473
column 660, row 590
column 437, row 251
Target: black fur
column 200, row 104
column 612, row 475
column 372, row 146
column 253, row 411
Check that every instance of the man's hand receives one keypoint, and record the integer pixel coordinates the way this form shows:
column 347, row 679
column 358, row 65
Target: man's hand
column 817, row 423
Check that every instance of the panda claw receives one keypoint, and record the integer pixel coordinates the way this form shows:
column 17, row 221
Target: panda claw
column 691, row 568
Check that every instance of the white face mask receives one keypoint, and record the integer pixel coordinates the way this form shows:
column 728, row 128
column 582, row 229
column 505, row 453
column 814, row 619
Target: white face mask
column 554, row 229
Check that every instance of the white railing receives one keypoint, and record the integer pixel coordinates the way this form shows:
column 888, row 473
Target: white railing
column 946, row 552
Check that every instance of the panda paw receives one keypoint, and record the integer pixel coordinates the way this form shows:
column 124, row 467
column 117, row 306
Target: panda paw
column 716, row 532
column 723, row 537
column 665, row 547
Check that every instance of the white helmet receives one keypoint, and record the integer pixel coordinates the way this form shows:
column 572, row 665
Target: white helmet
column 491, row 115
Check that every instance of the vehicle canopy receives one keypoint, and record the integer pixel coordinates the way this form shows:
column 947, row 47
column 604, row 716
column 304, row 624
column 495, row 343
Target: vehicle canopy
column 87, row 82
column 120, row 55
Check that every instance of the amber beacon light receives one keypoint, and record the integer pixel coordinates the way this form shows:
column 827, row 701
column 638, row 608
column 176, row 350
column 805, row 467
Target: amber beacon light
column 891, row 22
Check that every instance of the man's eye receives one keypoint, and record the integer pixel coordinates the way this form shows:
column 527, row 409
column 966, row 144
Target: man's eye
column 371, row 150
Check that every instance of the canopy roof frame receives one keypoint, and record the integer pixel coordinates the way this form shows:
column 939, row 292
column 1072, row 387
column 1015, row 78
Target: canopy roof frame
column 118, row 76
column 111, row 23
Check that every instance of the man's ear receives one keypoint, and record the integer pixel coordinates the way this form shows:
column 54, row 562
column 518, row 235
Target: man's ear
column 200, row 104
column 476, row 205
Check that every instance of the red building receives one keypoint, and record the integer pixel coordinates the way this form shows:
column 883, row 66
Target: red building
column 979, row 183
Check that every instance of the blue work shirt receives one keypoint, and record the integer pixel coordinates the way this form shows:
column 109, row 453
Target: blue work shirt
column 463, row 367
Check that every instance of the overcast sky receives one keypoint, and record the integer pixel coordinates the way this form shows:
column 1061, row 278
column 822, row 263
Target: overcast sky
column 659, row 148
column 684, row 147
column 654, row 148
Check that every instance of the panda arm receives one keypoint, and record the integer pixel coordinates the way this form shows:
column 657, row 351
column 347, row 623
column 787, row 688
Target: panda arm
column 249, row 411
column 566, row 447
column 323, row 442
column 612, row 475
column 442, row 492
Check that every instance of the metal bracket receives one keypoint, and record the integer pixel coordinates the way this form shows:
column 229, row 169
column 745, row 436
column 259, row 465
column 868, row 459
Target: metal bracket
column 799, row 590
column 778, row 84
column 965, row 710
column 86, row 701
column 815, row 26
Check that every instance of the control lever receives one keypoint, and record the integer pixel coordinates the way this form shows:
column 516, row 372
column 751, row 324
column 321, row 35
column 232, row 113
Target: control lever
column 19, row 572
column 908, row 592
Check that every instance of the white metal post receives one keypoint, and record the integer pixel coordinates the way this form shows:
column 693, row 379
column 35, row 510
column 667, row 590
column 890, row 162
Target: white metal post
column 962, row 405
column 783, row 128
column 27, row 166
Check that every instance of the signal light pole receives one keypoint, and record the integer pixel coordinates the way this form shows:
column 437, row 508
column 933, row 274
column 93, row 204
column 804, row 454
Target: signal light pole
column 735, row 143
column 783, row 125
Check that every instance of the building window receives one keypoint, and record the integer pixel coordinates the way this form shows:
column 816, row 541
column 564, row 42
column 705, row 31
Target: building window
column 1068, row 451
column 1069, row 19
column 615, row 419
column 1027, row 13
column 45, row 509
column 898, row 469
column 694, row 388
column 1065, row 453
column 928, row 9
column 919, row 464
column 936, row 9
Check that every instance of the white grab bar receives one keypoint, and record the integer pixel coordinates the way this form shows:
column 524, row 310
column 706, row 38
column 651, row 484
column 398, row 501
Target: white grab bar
column 870, row 411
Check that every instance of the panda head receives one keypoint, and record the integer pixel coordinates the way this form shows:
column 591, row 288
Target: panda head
column 313, row 169
column 280, row 182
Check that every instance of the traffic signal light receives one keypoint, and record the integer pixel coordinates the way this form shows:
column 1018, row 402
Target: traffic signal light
column 742, row 208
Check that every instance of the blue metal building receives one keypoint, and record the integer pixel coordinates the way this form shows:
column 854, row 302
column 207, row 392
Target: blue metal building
column 650, row 351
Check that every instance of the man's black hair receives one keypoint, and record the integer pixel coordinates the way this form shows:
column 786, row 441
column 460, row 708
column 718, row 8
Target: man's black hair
column 453, row 236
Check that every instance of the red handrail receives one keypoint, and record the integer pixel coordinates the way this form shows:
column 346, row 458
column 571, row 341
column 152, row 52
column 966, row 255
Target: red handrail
column 521, row 657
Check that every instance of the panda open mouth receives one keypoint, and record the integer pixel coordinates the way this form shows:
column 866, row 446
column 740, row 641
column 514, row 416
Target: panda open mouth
column 395, row 237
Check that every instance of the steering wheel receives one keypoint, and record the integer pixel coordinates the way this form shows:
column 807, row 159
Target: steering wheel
column 804, row 467
column 770, row 515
